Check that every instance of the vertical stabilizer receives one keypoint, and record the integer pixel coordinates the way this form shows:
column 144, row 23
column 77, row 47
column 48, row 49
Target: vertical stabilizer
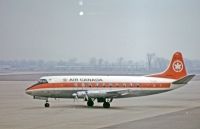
column 175, row 70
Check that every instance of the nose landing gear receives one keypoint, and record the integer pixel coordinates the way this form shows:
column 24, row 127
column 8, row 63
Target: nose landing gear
column 46, row 105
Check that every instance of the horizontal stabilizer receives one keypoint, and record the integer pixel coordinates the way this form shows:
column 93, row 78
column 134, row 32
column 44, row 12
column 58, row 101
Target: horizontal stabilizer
column 184, row 80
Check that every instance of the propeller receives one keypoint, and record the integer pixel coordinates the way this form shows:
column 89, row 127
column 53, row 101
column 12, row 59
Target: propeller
column 82, row 94
column 85, row 97
column 75, row 95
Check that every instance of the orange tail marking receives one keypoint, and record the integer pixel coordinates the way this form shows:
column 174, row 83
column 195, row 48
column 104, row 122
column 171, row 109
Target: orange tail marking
column 175, row 70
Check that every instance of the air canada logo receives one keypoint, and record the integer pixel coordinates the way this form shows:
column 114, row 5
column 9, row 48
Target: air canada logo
column 177, row 66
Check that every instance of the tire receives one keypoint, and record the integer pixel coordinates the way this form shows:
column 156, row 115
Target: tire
column 90, row 103
column 46, row 105
column 106, row 105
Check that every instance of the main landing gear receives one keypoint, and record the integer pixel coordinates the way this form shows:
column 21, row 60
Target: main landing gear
column 106, row 102
column 106, row 105
column 90, row 102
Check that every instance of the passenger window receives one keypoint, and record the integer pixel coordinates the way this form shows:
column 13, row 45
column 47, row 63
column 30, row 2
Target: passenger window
column 83, row 84
column 75, row 84
column 124, row 84
column 117, row 85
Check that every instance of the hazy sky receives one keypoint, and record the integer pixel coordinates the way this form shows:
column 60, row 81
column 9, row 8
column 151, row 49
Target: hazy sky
column 109, row 29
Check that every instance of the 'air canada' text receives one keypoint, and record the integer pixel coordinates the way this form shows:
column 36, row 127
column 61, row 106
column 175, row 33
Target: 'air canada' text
column 85, row 79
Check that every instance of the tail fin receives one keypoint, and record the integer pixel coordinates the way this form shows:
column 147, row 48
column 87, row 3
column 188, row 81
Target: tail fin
column 175, row 70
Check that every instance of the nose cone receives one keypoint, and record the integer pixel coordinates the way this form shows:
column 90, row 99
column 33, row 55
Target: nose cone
column 29, row 91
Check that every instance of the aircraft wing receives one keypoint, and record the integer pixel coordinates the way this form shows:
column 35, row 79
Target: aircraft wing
column 117, row 93
column 102, row 93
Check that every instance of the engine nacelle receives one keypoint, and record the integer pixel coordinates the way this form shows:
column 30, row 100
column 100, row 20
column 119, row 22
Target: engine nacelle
column 92, row 94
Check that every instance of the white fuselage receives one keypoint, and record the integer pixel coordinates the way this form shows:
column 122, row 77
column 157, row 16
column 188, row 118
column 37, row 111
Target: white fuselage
column 100, row 86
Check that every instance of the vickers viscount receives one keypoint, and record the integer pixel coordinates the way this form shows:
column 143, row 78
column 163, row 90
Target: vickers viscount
column 106, row 88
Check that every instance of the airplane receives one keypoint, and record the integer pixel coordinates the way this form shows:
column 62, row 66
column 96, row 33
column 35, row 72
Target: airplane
column 106, row 88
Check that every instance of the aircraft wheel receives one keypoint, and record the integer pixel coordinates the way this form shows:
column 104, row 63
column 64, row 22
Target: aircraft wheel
column 90, row 103
column 46, row 105
column 106, row 105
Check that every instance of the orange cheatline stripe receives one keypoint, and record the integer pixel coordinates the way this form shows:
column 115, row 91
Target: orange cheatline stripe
column 100, row 85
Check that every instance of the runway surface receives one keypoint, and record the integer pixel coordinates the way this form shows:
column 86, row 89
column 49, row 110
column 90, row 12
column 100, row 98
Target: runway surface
column 178, row 109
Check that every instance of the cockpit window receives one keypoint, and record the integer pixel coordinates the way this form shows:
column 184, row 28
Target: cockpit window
column 42, row 81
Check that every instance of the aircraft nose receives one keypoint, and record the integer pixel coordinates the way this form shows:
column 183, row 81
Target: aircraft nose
column 28, row 91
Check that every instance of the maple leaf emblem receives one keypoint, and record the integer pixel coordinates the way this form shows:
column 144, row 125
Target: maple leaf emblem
column 178, row 66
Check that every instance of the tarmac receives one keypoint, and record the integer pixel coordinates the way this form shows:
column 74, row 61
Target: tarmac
column 178, row 109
